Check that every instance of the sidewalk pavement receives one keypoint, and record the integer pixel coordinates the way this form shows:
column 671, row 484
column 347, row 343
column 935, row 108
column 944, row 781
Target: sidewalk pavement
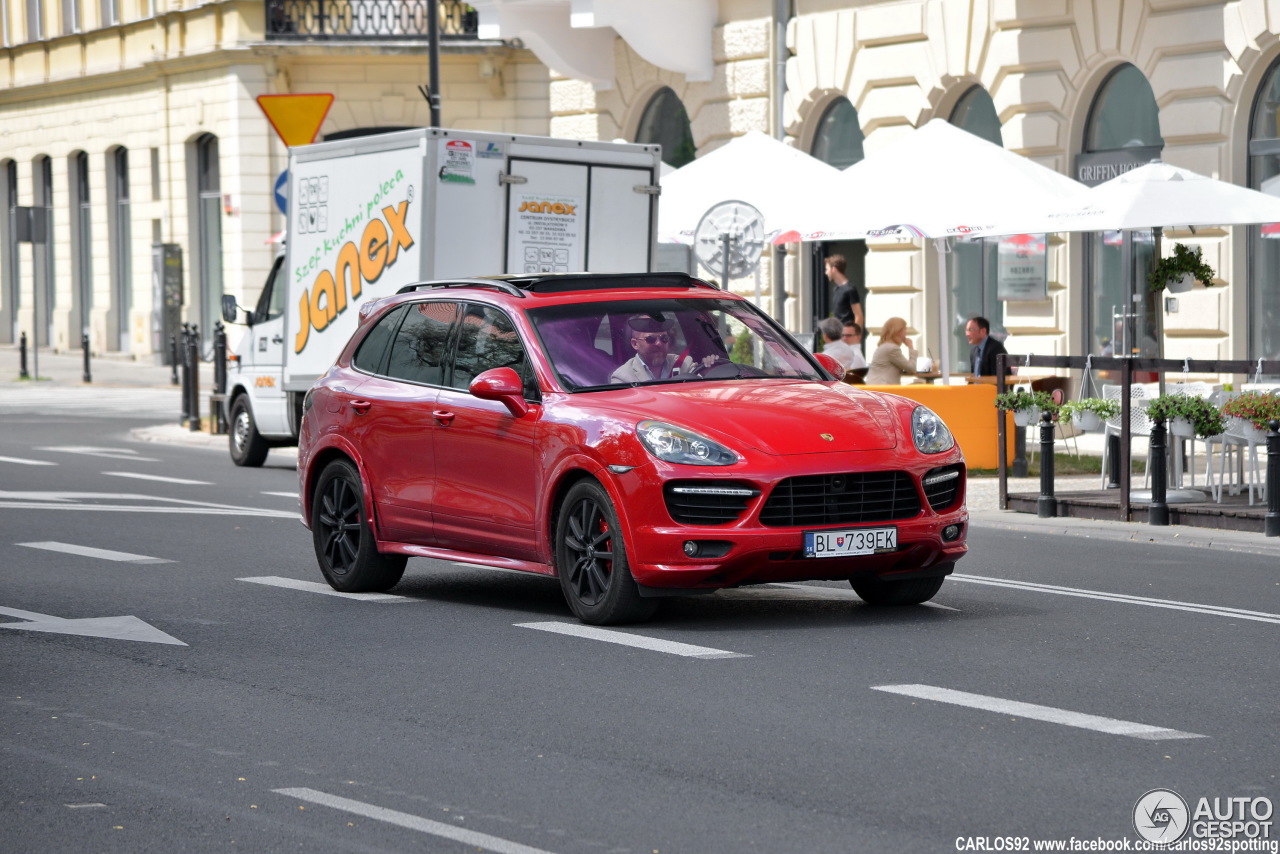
column 65, row 370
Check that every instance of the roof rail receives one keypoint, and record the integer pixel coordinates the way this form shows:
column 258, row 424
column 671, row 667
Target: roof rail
column 495, row 284
column 561, row 282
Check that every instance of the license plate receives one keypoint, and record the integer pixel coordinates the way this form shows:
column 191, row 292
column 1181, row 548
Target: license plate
column 854, row 541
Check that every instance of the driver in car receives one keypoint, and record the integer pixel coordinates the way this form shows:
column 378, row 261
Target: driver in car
column 651, row 339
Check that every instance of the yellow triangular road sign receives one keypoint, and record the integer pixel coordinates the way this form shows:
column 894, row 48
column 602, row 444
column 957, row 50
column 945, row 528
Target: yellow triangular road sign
column 296, row 118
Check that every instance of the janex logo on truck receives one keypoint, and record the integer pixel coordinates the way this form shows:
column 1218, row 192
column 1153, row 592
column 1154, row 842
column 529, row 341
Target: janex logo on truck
column 359, row 262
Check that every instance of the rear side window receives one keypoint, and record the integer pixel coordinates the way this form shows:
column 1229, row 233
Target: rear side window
column 488, row 339
column 371, row 356
column 420, row 346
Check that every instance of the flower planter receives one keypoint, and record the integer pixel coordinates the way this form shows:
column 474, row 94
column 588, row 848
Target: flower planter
column 1087, row 420
column 1182, row 428
column 1181, row 284
column 1026, row 417
column 1249, row 432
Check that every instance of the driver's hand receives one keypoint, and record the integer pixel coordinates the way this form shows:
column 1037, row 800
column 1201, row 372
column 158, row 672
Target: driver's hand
column 708, row 361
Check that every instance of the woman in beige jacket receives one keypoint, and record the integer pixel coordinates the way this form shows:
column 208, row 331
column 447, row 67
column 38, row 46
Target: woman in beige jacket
column 887, row 362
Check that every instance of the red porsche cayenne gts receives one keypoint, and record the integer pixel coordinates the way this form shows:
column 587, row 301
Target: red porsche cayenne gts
column 637, row 436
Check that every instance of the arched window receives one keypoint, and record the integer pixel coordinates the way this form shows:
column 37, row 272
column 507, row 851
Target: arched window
column 1264, row 241
column 665, row 122
column 1123, row 132
column 81, row 248
column 838, row 142
column 120, row 248
column 10, row 293
column 972, row 264
column 209, row 233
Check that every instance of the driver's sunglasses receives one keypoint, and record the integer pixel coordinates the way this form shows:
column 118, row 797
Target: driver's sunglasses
column 654, row 339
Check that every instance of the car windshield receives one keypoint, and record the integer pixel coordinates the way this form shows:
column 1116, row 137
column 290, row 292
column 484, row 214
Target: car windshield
column 635, row 342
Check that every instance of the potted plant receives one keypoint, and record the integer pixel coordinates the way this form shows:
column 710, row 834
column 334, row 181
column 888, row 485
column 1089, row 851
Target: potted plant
column 1187, row 415
column 1179, row 271
column 1026, row 406
column 1255, row 409
column 1089, row 413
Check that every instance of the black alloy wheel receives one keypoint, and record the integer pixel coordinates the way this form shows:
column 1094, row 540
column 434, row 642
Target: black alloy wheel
column 344, row 543
column 591, row 560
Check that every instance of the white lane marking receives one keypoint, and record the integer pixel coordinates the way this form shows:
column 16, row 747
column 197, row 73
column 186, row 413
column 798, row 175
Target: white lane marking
column 314, row 587
column 71, row 501
column 283, row 494
column 1111, row 726
column 403, row 819
column 112, row 628
column 833, row 593
column 108, row 453
column 86, row 551
column 637, row 641
column 23, row 462
column 158, row 478
column 1212, row 610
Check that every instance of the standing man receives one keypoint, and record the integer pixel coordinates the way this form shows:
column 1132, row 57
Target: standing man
column 985, row 348
column 847, row 301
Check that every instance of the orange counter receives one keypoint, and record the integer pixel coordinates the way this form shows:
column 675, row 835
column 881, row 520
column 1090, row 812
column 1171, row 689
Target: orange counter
column 969, row 411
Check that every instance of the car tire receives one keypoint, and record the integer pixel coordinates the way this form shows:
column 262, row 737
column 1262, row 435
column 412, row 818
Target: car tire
column 591, row 560
column 909, row 591
column 248, row 448
column 344, row 543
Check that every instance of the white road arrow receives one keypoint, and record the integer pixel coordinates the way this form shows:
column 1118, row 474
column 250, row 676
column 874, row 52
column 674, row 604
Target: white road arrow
column 116, row 628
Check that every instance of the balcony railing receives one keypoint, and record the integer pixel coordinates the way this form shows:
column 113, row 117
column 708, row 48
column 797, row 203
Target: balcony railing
column 366, row 20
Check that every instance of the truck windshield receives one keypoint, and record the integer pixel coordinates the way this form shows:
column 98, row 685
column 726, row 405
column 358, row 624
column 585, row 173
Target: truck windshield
column 639, row 342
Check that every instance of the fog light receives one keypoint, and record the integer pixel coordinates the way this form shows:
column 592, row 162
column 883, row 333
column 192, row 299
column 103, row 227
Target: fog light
column 690, row 548
column 950, row 533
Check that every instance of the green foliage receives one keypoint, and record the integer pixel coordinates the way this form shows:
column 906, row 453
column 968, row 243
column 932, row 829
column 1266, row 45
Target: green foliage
column 1021, row 399
column 743, row 349
column 1100, row 406
column 1175, row 266
column 1257, row 407
column 1205, row 418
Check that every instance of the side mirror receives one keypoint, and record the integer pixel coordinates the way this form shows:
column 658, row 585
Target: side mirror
column 229, row 308
column 830, row 364
column 503, row 385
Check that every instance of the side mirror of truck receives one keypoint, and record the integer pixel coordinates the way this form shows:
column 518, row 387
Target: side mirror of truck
column 503, row 385
column 229, row 309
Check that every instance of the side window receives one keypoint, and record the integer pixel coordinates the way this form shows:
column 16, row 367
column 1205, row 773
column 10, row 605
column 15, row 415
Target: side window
column 487, row 339
column 271, row 303
column 371, row 356
column 420, row 345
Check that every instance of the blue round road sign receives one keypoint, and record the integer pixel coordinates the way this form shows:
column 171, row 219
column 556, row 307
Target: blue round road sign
column 282, row 200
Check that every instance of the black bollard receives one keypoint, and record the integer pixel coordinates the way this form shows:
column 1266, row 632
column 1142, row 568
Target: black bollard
column 186, row 370
column 1158, row 511
column 22, row 357
column 84, row 345
column 194, row 358
column 1113, row 461
column 173, row 359
column 1047, row 506
column 1273, row 479
column 219, row 358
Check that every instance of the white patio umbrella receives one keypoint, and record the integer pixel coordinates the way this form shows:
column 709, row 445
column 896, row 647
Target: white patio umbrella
column 1152, row 196
column 939, row 182
column 770, row 175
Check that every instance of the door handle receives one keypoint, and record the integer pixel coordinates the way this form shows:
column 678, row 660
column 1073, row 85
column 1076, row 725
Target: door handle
column 443, row 416
column 361, row 406
column 277, row 340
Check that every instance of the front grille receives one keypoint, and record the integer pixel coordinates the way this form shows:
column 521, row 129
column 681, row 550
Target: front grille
column 705, row 502
column 841, row 499
column 942, row 486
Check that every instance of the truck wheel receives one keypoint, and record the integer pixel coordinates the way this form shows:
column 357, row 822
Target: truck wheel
column 591, row 560
column 910, row 591
column 344, row 543
column 248, row 448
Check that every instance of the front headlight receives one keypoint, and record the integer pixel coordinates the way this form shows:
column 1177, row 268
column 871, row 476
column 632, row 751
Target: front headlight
column 677, row 445
column 929, row 433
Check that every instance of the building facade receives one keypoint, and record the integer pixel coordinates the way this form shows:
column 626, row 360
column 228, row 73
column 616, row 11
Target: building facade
column 1088, row 89
column 131, row 124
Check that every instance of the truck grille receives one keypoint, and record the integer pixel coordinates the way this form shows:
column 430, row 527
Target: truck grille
column 942, row 486
column 841, row 499
column 702, row 502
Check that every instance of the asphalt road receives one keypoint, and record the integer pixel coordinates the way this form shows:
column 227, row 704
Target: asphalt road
column 280, row 718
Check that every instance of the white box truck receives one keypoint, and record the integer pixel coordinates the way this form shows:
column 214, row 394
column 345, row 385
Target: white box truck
column 368, row 215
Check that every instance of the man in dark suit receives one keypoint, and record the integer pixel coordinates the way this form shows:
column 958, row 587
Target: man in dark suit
column 985, row 348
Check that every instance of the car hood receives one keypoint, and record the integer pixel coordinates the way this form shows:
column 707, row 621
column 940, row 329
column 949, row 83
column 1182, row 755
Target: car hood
column 773, row 416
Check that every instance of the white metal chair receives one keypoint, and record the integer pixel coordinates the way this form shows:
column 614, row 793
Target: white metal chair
column 1140, row 394
column 1235, row 440
column 1196, row 389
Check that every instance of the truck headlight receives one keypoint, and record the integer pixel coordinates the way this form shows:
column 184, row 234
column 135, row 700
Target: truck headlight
column 929, row 433
column 677, row 445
